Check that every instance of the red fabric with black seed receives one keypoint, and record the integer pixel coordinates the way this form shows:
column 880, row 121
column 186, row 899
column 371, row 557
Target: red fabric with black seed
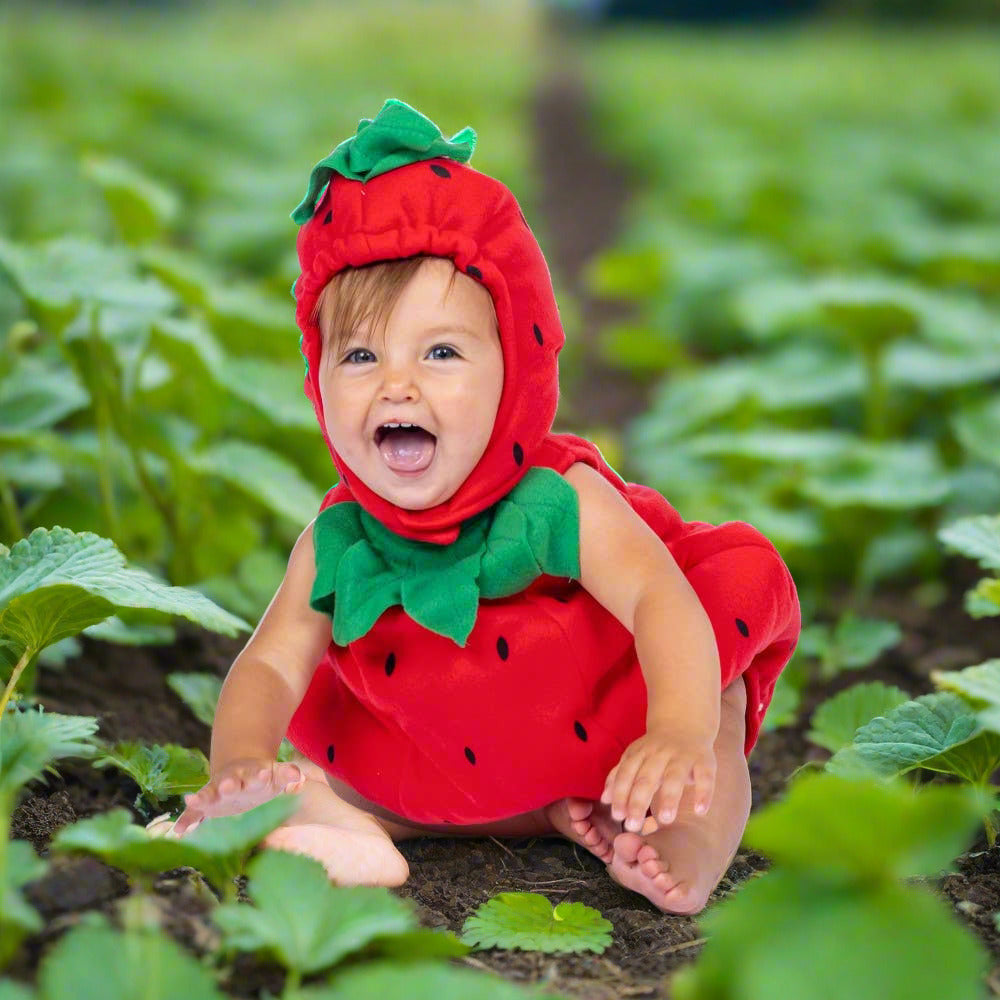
column 548, row 692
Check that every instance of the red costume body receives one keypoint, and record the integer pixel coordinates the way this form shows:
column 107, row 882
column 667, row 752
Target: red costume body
column 547, row 692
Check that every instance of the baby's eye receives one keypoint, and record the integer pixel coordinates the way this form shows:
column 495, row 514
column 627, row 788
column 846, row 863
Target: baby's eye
column 442, row 352
column 359, row 356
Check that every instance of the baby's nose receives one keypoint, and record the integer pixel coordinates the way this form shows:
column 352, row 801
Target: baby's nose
column 400, row 385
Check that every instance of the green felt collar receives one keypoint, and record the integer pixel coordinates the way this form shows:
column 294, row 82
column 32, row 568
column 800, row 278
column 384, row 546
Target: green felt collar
column 362, row 568
column 396, row 136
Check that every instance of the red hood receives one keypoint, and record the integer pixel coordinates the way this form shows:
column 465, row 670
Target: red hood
column 447, row 209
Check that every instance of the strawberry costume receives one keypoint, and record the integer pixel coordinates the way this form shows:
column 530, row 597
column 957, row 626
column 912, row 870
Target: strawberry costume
column 470, row 677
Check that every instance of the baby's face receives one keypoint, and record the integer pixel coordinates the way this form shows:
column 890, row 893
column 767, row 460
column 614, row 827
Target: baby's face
column 440, row 368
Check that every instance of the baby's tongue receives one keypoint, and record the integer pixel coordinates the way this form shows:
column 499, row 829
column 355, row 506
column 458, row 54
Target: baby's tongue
column 407, row 449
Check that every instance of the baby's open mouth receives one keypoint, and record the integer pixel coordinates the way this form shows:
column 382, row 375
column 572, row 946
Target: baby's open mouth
column 405, row 447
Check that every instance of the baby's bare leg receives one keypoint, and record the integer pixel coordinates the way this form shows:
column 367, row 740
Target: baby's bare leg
column 677, row 866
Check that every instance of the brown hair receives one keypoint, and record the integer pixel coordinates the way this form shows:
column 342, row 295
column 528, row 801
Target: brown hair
column 364, row 293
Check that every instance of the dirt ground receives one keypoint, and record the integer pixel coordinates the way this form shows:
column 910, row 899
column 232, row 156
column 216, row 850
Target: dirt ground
column 126, row 689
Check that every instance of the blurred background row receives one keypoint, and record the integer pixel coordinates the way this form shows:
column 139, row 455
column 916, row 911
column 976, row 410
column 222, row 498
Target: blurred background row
column 774, row 231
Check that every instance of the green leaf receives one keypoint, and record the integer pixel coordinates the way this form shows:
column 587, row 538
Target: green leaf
column 36, row 395
column 162, row 772
column 786, row 936
column 96, row 963
column 920, row 831
column 32, row 740
column 18, row 865
column 983, row 601
column 416, row 981
column 56, row 582
column 853, row 643
column 978, row 683
column 527, row 920
column 263, row 475
column 200, row 692
column 978, row 429
column 306, row 922
column 218, row 848
column 641, row 351
column 140, row 207
column 627, row 274
column 939, row 732
column 835, row 722
column 975, row 537
column 784, row 707
column 417, row 945
column 121, row 633
column 872, row 307
column 896, row 476
column 273, row 388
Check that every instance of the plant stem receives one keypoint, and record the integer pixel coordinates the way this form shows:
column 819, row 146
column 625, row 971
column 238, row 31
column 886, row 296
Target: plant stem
column 292, row 982
column 104, row 432
column 876, row 391
column 14, row 678
column 12, row 526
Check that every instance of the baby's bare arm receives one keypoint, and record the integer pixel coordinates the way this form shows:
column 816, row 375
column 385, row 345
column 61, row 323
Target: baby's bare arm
column 261, row 692
column 629, row 570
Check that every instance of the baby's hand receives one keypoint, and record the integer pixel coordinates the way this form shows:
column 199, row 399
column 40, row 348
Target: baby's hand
column 240, row 785
column 652, row 774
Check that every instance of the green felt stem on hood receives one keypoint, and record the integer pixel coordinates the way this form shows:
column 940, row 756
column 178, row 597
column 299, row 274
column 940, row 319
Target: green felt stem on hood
column 362, row 568
column 396, row 136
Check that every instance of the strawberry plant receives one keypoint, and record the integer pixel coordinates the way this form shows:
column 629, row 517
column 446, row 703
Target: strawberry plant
column 529, row 921
column 837, row 921
column 161, row 772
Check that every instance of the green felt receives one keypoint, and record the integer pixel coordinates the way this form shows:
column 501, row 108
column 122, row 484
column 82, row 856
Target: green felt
column 396, row 136
column 362, row 568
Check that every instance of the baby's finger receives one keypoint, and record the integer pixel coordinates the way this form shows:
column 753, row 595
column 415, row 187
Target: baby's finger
column 704, row 786
column 187, row 820
column 644, row 786
column 668, row 796
column 289, row 777
column 609, row 784
column 621, row 789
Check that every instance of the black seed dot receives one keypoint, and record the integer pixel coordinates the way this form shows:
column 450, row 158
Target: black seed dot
column 390, row 664
column 561, row 599
column 518, row 453
column 580, row 731
column 742, row 626
column 503, row 650
column 329, row 753
column 440, row 171
column 470, row 756
column 475, row 272
column 328, row 219
column 538, row 334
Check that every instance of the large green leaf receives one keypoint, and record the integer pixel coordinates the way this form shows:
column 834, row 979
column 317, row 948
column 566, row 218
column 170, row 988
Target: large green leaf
column 920, row 830
column 32, row 740
column 939, row 732
column 263, row 475
column 836, row 721
column 96, row 963
column 305, row 921
column 527, row 920
column 141, row 207
column 914, row 365
column 975, row 537
column 11, row 990
column 57, row 582
column 896, row 476
column 785, row 935
column 34, row 395
column 218, row 848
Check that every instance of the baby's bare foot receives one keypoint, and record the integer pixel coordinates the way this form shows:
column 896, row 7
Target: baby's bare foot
column 586, row 823
column 349, row 855
column 676, row 867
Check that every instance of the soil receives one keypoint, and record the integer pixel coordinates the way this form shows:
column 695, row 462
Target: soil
column 126, row 689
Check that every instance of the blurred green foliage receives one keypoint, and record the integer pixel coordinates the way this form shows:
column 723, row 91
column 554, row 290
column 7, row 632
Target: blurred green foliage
column 814, row 251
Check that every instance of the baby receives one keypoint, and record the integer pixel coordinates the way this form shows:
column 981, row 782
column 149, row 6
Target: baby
column 522, row 643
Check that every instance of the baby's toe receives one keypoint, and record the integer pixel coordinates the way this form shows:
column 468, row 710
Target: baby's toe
column 686, row 899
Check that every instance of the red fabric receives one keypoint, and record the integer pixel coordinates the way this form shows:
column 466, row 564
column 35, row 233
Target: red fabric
column 548, row 692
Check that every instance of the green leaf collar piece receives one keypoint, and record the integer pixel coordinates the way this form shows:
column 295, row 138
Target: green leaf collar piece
column 363, row 568
column 396, row 136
